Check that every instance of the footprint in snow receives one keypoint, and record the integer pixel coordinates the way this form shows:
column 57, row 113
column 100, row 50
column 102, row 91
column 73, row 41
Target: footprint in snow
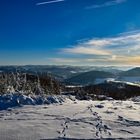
column 99, row 106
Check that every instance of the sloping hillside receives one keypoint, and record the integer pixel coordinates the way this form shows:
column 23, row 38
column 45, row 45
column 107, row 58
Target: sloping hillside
column 116, row 90
column 89, row 77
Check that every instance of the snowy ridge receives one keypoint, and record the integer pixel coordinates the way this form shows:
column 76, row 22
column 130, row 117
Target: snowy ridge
column 124, row 82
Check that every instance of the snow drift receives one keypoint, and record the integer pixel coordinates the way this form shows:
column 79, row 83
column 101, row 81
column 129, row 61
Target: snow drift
column 19, row 99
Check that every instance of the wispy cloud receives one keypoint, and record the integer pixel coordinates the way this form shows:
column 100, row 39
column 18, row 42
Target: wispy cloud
column 121, row 49
column 106, row 4
column 49, row 2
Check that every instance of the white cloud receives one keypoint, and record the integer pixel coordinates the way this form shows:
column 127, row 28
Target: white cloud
column 120, row 49
column 106, row 4
column 49, row 2
column 86, row 50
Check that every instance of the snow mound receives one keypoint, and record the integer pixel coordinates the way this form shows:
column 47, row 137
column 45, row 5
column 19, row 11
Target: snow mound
column 18, row 99
column 135, row 99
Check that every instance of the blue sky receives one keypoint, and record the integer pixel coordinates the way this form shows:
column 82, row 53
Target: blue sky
column 71, row 32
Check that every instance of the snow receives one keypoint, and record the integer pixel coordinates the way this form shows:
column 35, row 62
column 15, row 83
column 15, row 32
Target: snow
column 19, row 99
column 73, row 86
column 124, row 82
column 135, row 99
column 73, row 71
column 127, row 80
column 72, row 120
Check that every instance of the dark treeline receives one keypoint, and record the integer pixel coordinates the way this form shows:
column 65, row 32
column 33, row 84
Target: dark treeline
column 40, row 83
column 44, row 83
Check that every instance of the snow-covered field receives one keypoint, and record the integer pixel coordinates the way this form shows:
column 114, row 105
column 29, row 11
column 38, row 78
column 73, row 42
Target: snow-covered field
column 72, row 120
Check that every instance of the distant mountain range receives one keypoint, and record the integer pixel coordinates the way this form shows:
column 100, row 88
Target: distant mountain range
column 62, row 72
column 78, row 74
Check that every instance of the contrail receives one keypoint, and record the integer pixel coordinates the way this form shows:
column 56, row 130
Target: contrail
column 48, row 2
